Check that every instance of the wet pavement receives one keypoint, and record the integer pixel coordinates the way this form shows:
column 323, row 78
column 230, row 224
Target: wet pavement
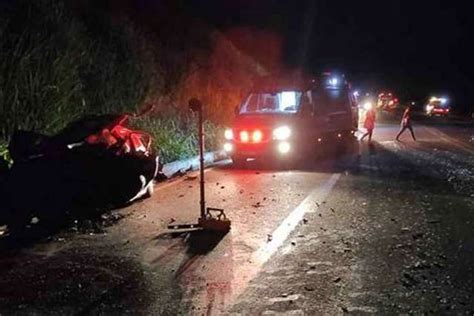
column 382, row 229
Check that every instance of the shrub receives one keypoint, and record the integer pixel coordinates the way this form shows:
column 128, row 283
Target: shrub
column 175, row 135
column 54, row 69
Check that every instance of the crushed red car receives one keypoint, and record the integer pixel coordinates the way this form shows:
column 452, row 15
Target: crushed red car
column 94, row 163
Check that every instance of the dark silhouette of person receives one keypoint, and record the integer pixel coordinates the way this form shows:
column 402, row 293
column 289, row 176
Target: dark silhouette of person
column 369, row 124
column 406, row 124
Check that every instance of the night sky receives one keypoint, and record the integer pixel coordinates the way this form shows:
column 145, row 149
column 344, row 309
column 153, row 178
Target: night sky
column 415, row 48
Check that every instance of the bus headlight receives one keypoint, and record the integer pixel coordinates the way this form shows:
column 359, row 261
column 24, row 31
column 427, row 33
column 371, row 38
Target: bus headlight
column 282, row 133
column 228, row 134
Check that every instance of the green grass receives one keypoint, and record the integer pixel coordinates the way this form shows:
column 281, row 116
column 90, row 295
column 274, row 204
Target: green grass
column 56, row 67
column 175, row 136
column 4, row 155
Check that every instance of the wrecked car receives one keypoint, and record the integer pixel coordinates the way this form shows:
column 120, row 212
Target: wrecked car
column 94, row 163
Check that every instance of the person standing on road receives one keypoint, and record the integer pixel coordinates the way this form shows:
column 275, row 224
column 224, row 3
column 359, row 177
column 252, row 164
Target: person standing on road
column 369, row 123
column 406, row 124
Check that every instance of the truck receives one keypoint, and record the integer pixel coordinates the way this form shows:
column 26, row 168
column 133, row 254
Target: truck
column 387, row 101
column 437, row 106
column 291, row 118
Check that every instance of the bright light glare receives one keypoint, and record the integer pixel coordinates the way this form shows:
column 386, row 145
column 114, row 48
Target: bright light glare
column 367, row 106
column 288, row 99
column 228, row 147
column 282, row 133
column 257, row 136
column 228, row 134
column 429, row 108
column 244, row 136
column 284, row 147
column 333, row 81
column 356, row 93
column 443, row 100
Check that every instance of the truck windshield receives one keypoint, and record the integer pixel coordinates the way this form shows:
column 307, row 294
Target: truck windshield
column 266, row 102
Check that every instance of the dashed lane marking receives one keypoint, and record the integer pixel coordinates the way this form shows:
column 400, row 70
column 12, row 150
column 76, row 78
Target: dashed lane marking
column 288, row 225
column 247, row 272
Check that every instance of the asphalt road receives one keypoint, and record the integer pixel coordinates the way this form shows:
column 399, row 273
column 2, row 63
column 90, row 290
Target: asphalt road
column 383, row 229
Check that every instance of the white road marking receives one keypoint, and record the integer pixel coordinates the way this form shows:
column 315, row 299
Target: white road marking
column 245, row 273
column 288, row 225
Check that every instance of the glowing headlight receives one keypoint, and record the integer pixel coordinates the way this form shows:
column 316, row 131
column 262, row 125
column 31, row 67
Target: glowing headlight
column 282, row 133
column 228, row 134
column 257, row 136
column 367, row 105
column 244, row 136
column 228, row 147
column 284, row 147
column 429, row 108
column 333, row 81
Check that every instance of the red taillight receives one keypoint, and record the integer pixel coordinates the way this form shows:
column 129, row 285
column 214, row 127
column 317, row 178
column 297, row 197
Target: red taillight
column 257, row 136
column 244, row 136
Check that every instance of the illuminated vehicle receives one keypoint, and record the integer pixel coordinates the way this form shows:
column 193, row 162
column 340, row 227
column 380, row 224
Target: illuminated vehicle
column 437, row 107
column 387, row 101
column 286, row 119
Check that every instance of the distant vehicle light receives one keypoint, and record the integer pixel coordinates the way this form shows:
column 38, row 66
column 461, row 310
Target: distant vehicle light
column 356, row 93
column 282, row 133
column 284, row 147
column 333, row 82
column 228, row 134
column 443, row 100
column 228, row 147
column 257, row 136
column 367, row 106
column 244, row 136
column 429, row 108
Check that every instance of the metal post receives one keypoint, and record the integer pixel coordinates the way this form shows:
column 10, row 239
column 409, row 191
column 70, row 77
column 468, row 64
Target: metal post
column 201, row 164
column 211, row 219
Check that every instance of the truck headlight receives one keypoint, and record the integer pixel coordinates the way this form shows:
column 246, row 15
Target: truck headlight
column 282, row 133
column 228, row 147
column 284, row 147
column 228, row 134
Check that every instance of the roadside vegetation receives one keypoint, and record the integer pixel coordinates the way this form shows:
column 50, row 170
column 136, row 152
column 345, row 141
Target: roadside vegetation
column 58, row 63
